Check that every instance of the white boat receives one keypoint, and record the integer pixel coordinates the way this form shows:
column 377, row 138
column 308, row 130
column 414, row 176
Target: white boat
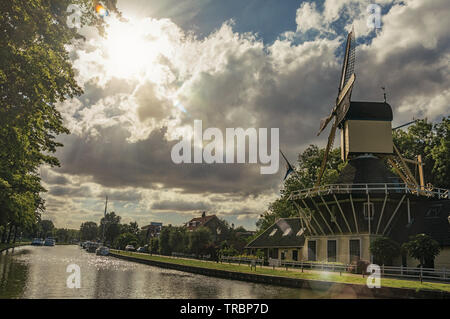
column 102, row 251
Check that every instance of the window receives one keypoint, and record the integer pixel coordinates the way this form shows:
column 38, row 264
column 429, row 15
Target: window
column 331, row 250
column 355, row 249
column 300, row 232
column 295, row 255
column 283, row 255
column 433, row 212
column 368, row 210
column 311, row 250
column 287, row 231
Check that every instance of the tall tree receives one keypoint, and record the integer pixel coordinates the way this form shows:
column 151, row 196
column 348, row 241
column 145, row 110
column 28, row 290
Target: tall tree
column 88, row 231
column 110, row 227
column 47, row 227
column 305, row 176
column 35, row 74
column 432, row 141
column 424, row 248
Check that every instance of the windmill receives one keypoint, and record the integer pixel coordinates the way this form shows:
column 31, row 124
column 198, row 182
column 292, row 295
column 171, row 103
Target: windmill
column 365, row 126
column 342, row 104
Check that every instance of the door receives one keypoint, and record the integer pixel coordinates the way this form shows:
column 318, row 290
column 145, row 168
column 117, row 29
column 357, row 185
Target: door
column 355, row 250
column 312, row 250
column 331, row 250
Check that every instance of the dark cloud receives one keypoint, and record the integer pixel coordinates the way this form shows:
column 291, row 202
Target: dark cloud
column 82, row 191
column 180, row 205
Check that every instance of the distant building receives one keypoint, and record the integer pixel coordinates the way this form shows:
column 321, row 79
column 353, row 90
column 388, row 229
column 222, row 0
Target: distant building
column 153, row 229
column 214, row 224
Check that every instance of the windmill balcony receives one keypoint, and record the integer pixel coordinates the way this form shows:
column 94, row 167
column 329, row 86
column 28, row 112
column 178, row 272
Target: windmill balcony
column 376, row 188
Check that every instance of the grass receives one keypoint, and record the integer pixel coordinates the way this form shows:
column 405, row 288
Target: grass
column 11, row 245
column 310, row 275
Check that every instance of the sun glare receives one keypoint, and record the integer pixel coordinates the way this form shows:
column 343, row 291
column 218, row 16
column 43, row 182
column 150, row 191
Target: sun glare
column 132, row 48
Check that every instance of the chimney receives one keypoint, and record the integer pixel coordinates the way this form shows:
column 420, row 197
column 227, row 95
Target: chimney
column 203, row 214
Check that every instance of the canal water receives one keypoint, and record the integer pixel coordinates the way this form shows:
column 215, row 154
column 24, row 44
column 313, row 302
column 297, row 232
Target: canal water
column 40, row 272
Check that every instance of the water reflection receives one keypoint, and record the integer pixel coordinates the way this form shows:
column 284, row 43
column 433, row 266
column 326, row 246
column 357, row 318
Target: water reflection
column 40, row 272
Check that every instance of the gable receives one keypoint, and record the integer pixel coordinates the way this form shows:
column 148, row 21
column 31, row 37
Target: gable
column 283, row 233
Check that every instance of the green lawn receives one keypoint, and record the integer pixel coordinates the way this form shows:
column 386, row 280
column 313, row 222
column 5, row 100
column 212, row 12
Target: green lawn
column 312, row 275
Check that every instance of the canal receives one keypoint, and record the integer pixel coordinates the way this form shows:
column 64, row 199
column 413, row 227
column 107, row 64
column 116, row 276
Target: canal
column 40, row 272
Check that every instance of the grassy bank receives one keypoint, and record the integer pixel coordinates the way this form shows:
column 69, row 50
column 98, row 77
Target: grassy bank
column 310, row 275
column 10, row 245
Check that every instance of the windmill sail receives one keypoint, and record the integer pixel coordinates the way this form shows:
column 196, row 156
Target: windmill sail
column 348, row 67
column 342, row 104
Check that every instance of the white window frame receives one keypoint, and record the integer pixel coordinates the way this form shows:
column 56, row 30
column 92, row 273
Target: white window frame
column 360, row 248
column 368, row 207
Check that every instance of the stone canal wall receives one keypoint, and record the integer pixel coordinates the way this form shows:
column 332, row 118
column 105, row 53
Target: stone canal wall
column 333, row 288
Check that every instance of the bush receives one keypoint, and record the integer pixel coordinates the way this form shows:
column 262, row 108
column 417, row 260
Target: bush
column 358, row 266
column 125, row 239
column 422, row 247
column 384, row 250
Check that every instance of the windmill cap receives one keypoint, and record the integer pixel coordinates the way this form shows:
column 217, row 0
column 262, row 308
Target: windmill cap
column 375, row 111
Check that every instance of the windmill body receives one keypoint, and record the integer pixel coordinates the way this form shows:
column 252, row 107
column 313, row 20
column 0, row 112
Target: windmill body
column 366, row 128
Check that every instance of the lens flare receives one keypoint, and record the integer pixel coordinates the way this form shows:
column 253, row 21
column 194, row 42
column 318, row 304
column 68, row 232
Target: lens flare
column 101, row 10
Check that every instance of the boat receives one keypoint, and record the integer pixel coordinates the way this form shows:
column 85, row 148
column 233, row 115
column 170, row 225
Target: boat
column 92, row 247
column 102, row 251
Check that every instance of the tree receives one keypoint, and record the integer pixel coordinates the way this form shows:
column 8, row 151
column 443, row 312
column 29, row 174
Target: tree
column 199, row 240
column 88, row 231
column 307, row 171
column 47, row 228
column 424, row 248
column 36, row 72
column 110, row 227
column 176, row 239
column 164, row 244
column 125, row 239
column 432, row 141
column 154, row 246
column 384, row 250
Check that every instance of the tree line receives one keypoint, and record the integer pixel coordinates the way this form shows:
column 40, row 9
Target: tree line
column 171, row 239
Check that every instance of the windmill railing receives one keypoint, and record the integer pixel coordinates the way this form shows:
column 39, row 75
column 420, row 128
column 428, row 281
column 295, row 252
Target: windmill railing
column 385, row 188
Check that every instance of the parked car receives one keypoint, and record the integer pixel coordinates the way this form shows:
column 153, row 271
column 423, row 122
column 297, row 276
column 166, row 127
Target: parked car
column 37, row 242
column 49, row 242
column 142, row 250
column 130, row 248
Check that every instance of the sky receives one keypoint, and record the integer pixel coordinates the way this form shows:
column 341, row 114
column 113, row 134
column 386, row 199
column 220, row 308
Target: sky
column 248, row 64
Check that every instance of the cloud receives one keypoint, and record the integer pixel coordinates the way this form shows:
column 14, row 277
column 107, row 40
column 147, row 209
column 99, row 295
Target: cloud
column 180, row 205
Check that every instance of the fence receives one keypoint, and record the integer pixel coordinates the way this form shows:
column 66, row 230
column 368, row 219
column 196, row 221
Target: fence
column 414, row 272
column 242, row 260
column 385, row 271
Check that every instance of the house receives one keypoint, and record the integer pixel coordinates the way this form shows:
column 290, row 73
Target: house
column 212, row 222
column 282, row 240
column 153, row 229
